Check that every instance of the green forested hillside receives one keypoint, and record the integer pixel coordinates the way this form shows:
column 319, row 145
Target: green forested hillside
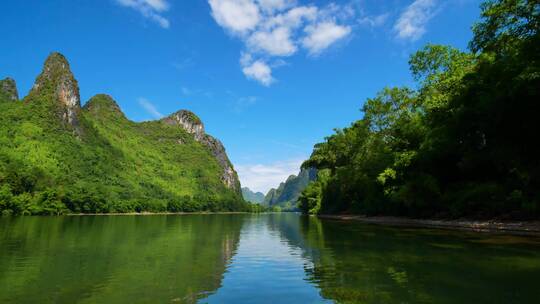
column 286, row 195
column 56, row 157
column 250, row 196
column 462, row 143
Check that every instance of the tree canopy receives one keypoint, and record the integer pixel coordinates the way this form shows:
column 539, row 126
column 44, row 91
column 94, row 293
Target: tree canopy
column 462, row 143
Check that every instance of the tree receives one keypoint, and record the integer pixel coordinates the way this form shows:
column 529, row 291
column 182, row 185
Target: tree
column 461, row 144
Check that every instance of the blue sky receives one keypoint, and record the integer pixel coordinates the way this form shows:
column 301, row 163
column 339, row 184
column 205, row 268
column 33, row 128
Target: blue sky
column 269, row 78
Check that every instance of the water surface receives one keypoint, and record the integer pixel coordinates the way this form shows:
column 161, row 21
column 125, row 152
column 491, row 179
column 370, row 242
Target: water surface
column 269, row 258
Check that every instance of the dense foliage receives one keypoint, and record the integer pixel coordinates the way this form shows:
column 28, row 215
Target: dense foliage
column 104, row 163
column 460, row 144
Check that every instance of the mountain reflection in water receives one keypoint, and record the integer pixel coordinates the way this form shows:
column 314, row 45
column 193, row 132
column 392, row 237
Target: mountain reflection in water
column 266, row 258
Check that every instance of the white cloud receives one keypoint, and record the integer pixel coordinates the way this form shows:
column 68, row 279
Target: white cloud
column 411, row 24
column 159, row 5
column 293, row 18
column 274, row 5
column 374, row 21
column 260, row 71
column 276, row 42
column 237, row 16
column 279, row 28
column 150, row 108
column 321, row 36
column 150, row 9
column 262, row 177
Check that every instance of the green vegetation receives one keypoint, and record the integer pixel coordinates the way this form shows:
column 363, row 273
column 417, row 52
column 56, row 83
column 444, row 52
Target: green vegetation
column 253, row 197
column 460, row 144
column 357, row 263
column 298, row 259
column 285, row 197
column 194, row 118
column 151, row 258
column 58, row 158
column 8, row 90
column 258, row 208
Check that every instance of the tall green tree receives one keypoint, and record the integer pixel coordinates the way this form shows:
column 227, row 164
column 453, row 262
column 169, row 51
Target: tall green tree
column 460, row 144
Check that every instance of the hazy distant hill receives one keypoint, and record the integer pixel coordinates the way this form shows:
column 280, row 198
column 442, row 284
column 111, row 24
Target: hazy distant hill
column 287, row 193
column 253, row 197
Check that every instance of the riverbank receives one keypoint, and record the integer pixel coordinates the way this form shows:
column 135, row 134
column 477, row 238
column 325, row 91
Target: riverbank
column 155, row 213
column 527, row 228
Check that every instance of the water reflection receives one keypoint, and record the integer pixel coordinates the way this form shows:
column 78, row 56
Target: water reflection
column 357, row 263
column 114, row 259
column 266, row 267
column 271, row 258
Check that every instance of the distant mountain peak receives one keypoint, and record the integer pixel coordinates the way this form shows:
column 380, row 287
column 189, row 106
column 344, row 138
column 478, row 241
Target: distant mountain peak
column 189, row 121
column 57, row 72
column 192, row 124
column 290, row 178
column 56, row 57
column 56, row 78
column 8, row 88
column 253, row 197
column 286, row 195
column 101, row 104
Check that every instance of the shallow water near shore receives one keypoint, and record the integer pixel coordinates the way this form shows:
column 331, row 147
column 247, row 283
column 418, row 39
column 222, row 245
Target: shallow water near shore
column 266, row 258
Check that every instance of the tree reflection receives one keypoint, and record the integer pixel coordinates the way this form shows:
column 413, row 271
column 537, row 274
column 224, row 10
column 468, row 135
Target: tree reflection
column 112, row 259
column 358, row 263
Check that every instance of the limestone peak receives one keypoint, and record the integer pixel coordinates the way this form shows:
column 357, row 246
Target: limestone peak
column 57, row 78
column 192, row 124
column 102, row 102
column 56, row 59
column 188, row 121
column 8, row 87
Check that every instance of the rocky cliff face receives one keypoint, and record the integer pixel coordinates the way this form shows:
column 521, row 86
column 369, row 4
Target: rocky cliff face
column 8, row 88
column 57, row 79
column 289, row 191
column 189, row 122
column 272, row 197
column 193, row 125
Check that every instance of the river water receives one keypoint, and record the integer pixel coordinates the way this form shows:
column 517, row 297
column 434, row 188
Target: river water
column 266, row 258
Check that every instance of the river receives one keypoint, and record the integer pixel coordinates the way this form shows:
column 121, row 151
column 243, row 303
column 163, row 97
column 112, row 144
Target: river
column 250, row 258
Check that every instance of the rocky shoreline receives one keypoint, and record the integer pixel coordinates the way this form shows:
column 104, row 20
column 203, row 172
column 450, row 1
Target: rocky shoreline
column 526, row 228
